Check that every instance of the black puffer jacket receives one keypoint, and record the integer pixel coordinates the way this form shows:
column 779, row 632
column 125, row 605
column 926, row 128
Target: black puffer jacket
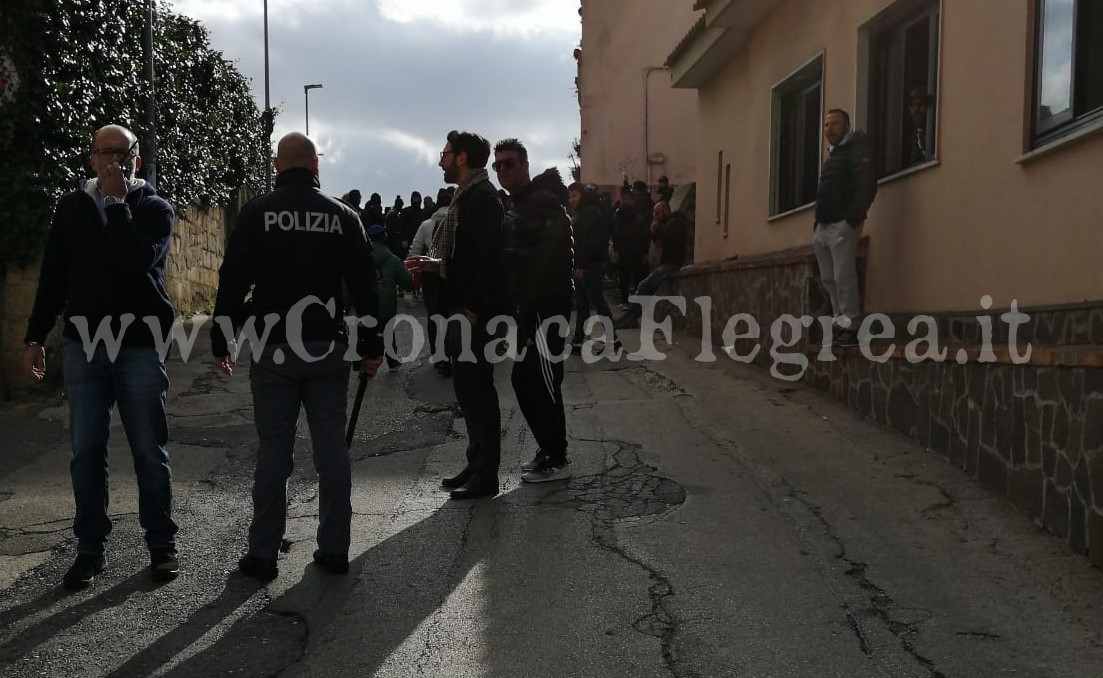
column 539, row 252
column 848, row 183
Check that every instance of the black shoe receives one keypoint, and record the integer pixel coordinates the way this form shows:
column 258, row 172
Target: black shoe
column 844, row 338
column 337, row 563
column 475, row 488
column 393, row 363
column 259, row 568
column 84, row 570
column 163, row 565
column 444, row 369
column 457, row 480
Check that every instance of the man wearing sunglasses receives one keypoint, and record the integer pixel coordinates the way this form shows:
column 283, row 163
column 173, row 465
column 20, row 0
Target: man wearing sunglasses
column 539, row 260
column 104, row 267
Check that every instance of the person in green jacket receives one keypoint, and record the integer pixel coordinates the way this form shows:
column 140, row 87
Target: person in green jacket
column 391, row 274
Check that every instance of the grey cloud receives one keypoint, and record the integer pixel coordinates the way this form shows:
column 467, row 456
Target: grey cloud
column 414, row 78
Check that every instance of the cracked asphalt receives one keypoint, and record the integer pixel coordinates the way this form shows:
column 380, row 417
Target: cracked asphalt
column 719, row 523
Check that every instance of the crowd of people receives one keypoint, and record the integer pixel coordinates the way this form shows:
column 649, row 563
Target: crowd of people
column 295, row 259
column 633, row 240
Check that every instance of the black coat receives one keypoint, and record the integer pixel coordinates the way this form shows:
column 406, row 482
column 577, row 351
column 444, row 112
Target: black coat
column 539, row 253
column 848, row 183
column 475, row 281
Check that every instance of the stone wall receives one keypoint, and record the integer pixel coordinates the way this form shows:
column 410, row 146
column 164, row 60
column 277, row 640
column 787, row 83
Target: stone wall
column 1032, row 431
column 198, row 244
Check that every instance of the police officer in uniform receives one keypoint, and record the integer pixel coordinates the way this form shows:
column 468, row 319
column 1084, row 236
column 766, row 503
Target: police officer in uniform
column 298, row 249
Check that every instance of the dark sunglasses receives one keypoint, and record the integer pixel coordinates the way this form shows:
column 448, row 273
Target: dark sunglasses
column 507, row 164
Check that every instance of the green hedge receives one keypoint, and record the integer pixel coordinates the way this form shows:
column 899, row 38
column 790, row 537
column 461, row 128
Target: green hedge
column 80, row 66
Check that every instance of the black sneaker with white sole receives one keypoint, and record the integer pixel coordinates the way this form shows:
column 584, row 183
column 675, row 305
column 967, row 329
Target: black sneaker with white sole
column 548, row 472
column 536, row 462
column 84, row 570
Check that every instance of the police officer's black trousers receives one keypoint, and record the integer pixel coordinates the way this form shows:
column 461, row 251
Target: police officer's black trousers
column 538, row 377
column 473, row 380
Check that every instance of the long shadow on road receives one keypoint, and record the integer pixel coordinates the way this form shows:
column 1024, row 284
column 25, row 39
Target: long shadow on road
column 391, row 589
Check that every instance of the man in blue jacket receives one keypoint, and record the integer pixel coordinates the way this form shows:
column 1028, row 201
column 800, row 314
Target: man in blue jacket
column 104, row 266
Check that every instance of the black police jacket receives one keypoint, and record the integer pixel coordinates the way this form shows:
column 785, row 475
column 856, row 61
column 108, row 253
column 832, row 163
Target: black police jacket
column 299, row 250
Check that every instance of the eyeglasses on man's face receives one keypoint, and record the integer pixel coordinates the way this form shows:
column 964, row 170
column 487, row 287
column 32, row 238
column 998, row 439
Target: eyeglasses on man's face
column 444, row 153
column 115, row 153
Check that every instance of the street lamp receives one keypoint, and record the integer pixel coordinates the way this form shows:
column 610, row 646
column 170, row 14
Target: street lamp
column 268, row 116
column 306, row 95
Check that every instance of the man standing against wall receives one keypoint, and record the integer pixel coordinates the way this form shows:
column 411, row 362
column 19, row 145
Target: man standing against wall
column 846, row 190
column 539, row 263
column 298, row 275
column 105, row 257
column 468, row 246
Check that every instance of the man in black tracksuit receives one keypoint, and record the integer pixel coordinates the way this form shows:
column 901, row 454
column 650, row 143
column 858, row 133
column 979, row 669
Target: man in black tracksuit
column 846, row 190
column 298, row 248
column 468, row 250
column 539, row 263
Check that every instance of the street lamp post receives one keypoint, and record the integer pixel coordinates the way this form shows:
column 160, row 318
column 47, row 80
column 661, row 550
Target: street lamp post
column 306, row 95
column 267, row 111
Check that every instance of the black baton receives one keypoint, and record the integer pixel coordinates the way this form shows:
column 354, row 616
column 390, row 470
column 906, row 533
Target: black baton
column 356, row 408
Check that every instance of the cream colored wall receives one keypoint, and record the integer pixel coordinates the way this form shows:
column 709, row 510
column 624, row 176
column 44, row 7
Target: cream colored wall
column 621, row 40
column 978, row 223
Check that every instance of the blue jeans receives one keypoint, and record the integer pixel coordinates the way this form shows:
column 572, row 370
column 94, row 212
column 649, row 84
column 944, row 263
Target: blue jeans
column 280, row 388
column 136, row 380
column 650, row 285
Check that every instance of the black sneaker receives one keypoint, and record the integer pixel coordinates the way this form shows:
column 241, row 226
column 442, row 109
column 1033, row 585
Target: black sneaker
column 259, row 568
column 84, row 570
column 844, row 338
column 163, row 565
column 337, row 563
column 536, row 462
column 548, row 472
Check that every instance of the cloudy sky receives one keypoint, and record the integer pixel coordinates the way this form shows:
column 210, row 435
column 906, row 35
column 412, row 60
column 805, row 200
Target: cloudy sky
column 399, row 74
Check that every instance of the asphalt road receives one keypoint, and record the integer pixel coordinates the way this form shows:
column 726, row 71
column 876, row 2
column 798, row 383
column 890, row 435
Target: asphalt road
column 719, row 523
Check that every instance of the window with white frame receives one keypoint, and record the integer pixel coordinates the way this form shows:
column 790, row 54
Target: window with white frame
column 1068, row 61
column 903, row 85
column 795, row 138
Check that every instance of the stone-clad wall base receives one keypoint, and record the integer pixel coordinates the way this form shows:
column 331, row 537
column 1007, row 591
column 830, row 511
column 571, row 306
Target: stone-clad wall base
column 1032, row 432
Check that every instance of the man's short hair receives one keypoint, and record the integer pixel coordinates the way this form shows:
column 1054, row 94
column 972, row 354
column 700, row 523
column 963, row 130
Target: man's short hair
column 844, row 114
column 641, row 186
column 577, row 186
column 474, row 145
column 511, row 144
column 444, row 198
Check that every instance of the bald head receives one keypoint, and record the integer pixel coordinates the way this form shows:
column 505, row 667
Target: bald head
column 115, row 132
column 296, row 150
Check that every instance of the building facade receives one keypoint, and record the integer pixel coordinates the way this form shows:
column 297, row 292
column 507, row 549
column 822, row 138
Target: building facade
column 986, row 122
column 634, row 125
